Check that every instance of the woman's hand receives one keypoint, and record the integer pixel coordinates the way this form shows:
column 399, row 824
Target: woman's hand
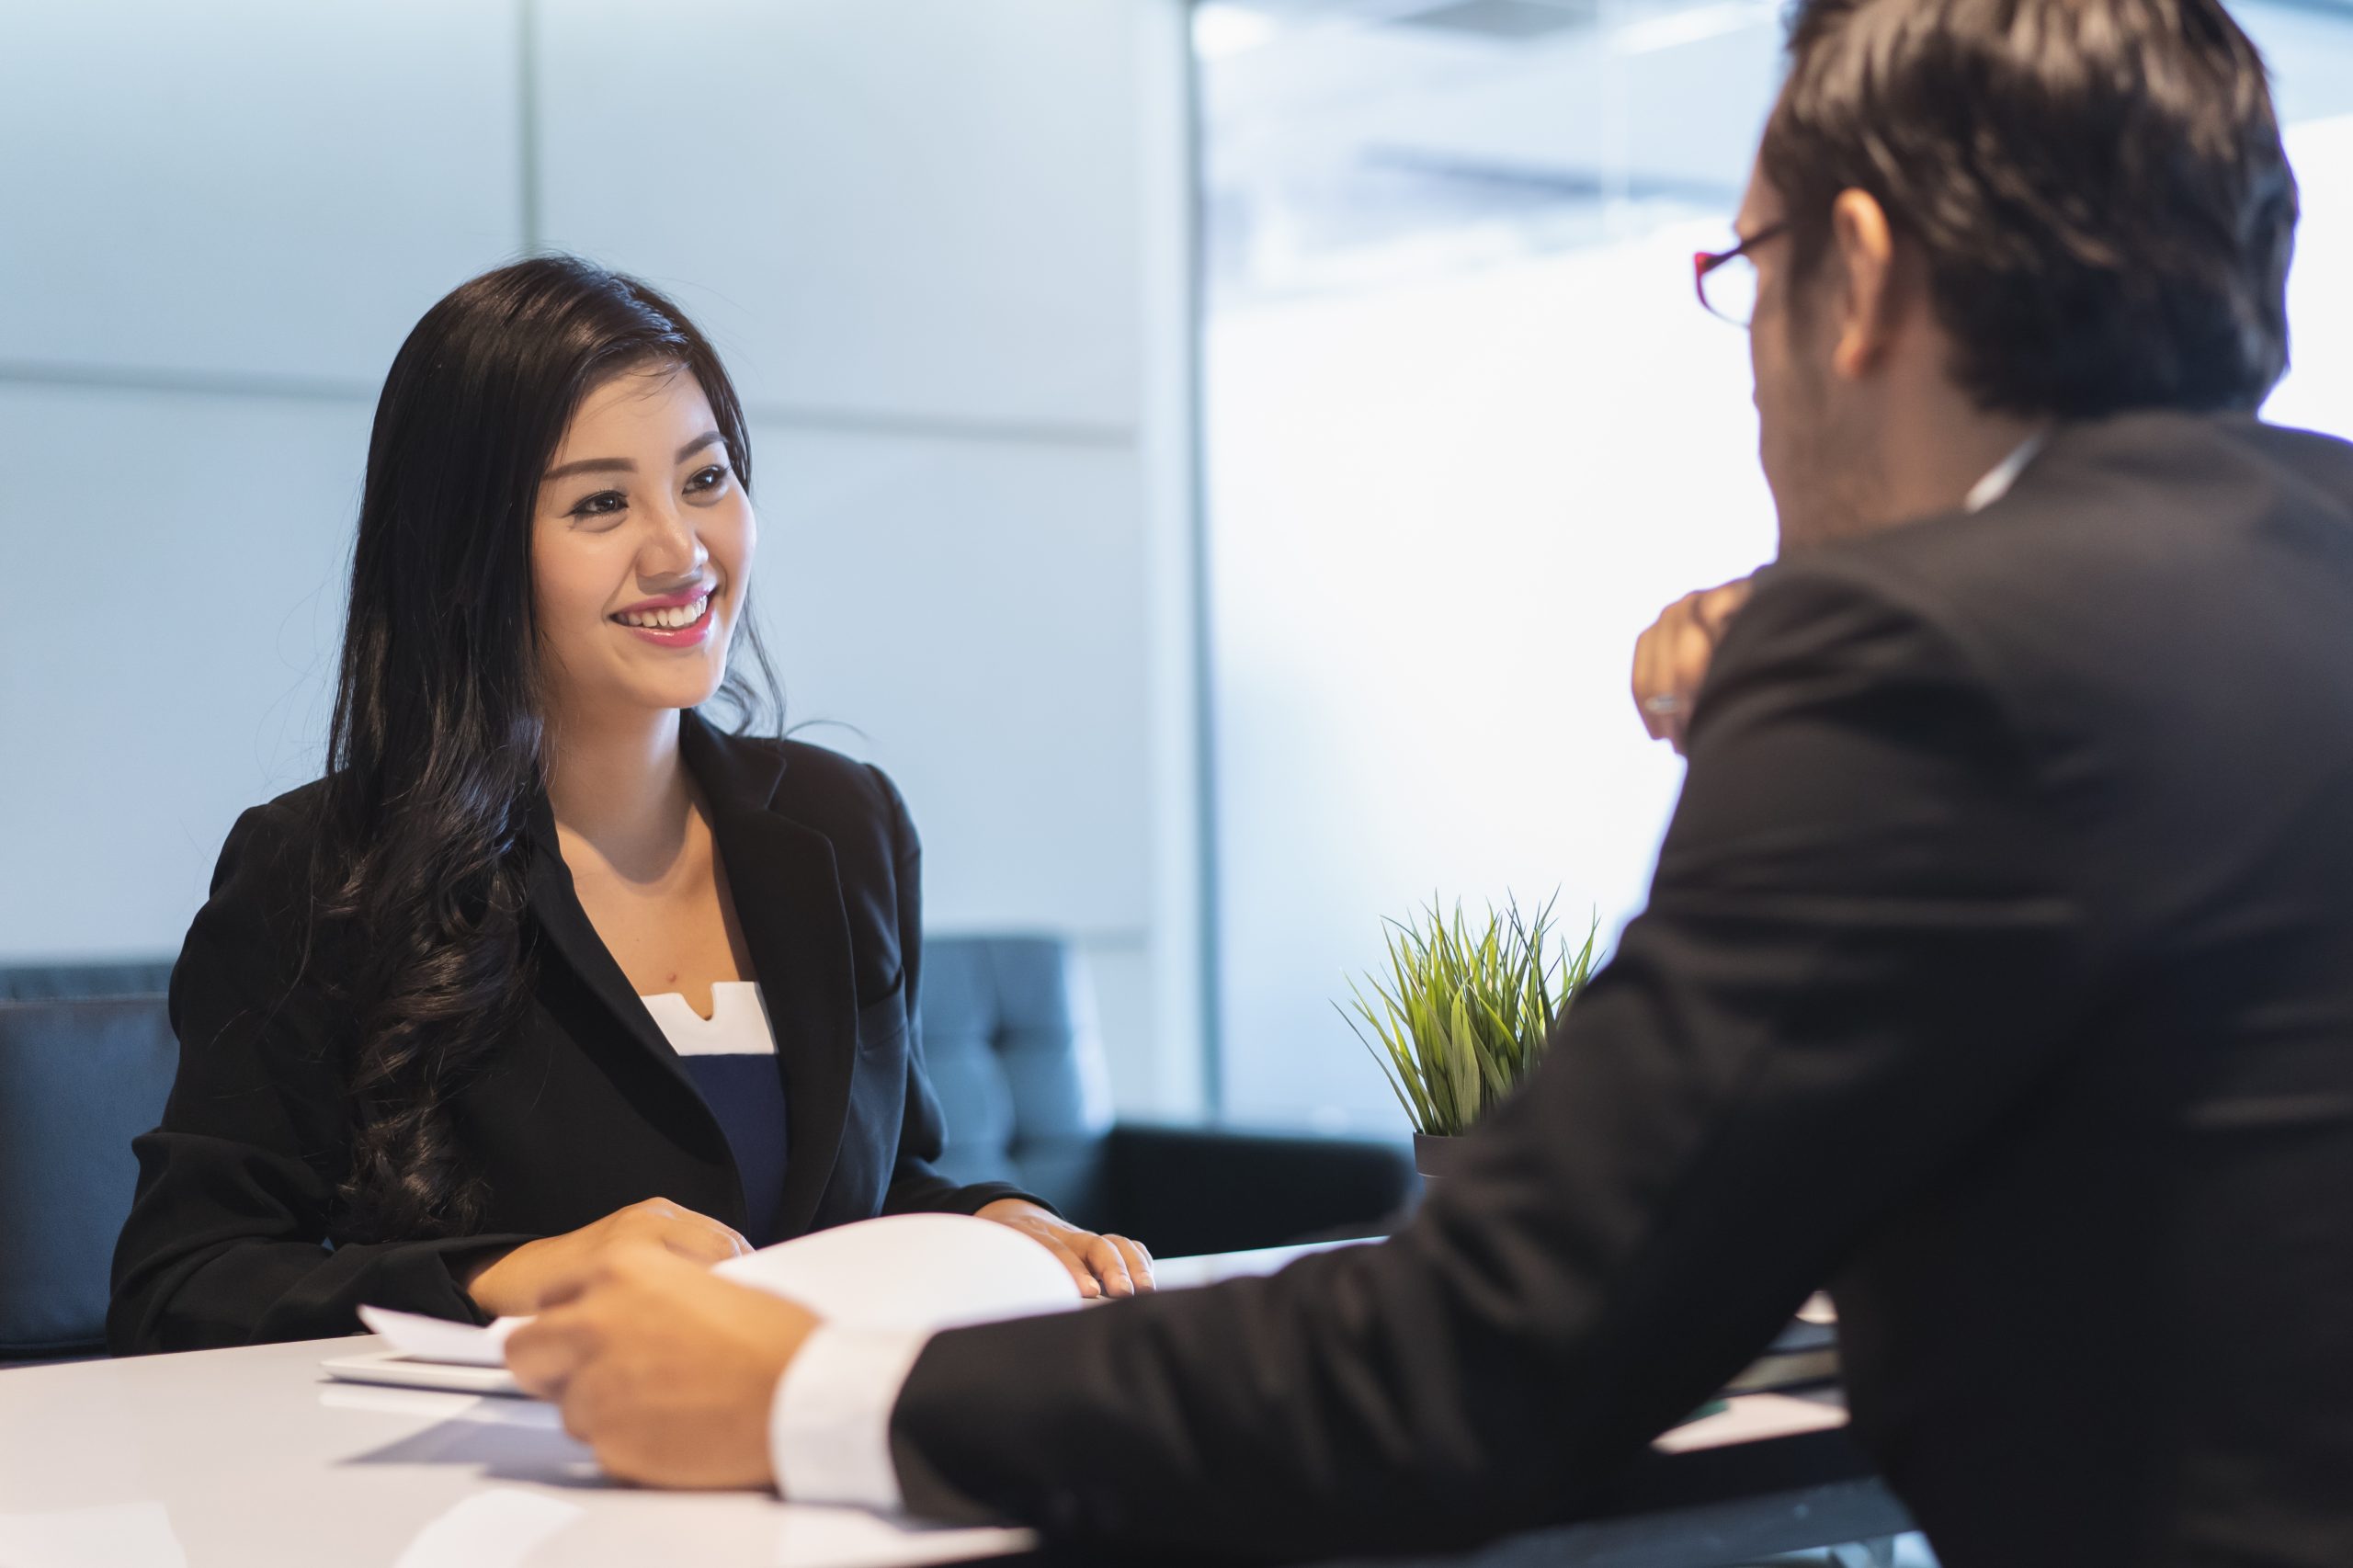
column 1103, row 1266
column 1671, row 659
column 516, row 1283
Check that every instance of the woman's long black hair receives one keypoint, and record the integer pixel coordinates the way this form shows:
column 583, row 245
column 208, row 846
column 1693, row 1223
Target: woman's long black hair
column 436, row 750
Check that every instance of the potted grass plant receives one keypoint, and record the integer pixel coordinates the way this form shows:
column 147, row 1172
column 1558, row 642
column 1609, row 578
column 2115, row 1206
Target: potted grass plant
column 1460, row 1017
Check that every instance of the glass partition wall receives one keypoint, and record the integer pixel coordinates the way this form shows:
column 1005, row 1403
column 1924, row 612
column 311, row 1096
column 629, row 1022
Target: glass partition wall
column 1466, row 430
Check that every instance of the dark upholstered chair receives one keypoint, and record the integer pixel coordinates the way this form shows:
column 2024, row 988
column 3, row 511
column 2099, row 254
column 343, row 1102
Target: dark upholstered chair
column 1008, row 1036
column 86, row 1057
column 72, row 982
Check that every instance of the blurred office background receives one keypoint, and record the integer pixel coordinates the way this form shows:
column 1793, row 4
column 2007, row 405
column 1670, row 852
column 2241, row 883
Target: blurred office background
column 1217, row 458
column 1467, row 431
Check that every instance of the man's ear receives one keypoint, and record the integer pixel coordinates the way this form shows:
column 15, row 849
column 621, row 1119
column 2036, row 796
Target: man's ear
column 1866, row 247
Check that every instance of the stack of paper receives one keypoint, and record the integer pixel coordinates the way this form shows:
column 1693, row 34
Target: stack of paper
column 906, row 1271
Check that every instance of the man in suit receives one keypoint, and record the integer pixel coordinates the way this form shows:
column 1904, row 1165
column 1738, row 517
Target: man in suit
column 1997, row 974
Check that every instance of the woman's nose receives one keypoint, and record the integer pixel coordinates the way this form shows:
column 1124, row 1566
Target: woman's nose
column 674, row 549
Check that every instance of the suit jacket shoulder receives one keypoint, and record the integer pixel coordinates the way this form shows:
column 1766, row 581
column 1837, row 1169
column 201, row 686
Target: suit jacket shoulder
column 261, row 904
column 2127, row 588
column 848, row 801
column 2125, row 537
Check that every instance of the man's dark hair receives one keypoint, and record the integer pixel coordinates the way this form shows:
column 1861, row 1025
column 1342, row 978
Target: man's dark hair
column 2097, row 186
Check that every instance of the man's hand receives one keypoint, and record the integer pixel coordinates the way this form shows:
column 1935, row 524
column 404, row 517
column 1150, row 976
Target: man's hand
column 516, row 1283
column 1671, row 659
column 1103, row 1266
column 666, row 1370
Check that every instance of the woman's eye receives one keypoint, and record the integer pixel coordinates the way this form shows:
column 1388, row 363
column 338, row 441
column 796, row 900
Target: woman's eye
column 710, row 478
column 604, row 503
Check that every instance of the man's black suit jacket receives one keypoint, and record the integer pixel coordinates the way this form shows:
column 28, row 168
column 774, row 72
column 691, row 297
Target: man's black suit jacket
column 1997, row 974
column 235, row 1234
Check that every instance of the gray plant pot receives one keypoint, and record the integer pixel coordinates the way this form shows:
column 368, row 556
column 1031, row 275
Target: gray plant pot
column 1435, row 1153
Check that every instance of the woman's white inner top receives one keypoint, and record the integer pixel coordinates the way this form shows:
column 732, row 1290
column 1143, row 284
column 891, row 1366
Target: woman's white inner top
column 738, row 1025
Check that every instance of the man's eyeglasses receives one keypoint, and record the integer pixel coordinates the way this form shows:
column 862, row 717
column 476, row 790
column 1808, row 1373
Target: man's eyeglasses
column 1727, row 278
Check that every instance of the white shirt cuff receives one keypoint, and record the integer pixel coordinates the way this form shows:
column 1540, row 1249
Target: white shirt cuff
column 829, row 1430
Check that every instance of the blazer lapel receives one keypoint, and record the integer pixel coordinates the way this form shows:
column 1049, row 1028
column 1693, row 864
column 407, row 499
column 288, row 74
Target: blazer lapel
column 555, row 906
column 788, row 903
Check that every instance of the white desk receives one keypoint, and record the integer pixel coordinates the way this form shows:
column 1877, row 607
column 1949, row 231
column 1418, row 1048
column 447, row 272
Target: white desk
column 254, row 1458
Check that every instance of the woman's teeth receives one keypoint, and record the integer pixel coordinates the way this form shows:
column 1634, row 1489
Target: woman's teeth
column 666, row 620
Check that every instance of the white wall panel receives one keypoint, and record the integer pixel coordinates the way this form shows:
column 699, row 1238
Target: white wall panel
column 913, row 208
column 250, row 187
column 975, row 610
column 177, row 567
column 942, row 243
column 1137, row 1021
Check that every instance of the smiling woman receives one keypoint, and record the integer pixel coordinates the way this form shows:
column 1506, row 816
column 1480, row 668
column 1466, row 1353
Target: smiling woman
column 546, row 963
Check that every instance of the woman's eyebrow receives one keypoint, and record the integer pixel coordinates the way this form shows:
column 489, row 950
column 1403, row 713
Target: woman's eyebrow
column 591, row 465
column 625, row 465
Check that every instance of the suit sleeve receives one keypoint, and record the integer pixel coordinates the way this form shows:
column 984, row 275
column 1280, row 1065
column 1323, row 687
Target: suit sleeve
column 228, row 1241
column 916, row 1185
column 1856, row 958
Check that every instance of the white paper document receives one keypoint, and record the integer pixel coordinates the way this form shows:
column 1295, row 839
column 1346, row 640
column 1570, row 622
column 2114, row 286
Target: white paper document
column 438, row 1339
column 912, row 1271
column 908, row 1271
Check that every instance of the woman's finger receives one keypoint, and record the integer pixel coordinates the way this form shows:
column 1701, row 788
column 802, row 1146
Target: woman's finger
column 1110, row 1267
column 660, row 1216
column 1139, row 1261
column 703, row 1241
column 1087, row 1286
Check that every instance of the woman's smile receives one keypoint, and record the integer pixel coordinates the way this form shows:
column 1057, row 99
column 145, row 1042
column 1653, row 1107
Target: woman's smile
column 683, row 619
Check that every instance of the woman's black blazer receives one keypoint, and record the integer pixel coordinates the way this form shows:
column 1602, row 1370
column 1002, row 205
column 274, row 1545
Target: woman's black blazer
column 236, row 1235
